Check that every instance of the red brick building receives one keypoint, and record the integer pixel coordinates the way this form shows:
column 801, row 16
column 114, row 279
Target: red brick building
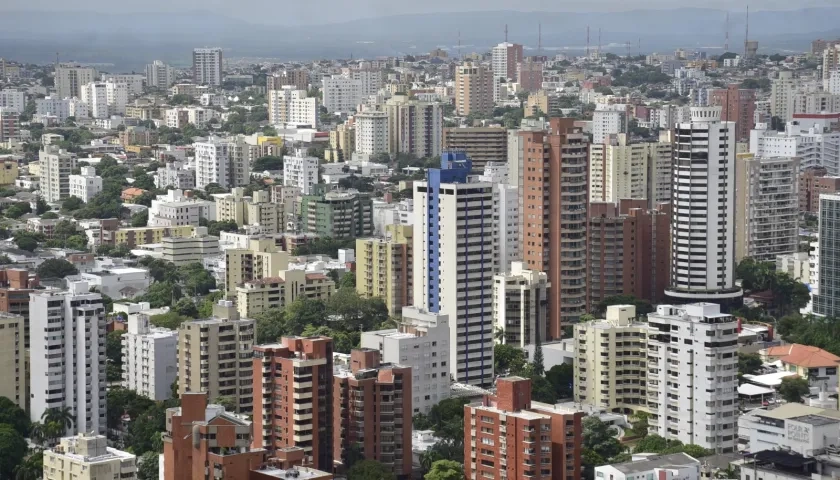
column 738, row 106
column 15, row 286
column 808, row 202
column 507, row 436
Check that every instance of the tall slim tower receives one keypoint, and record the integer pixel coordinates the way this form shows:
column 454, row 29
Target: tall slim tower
column 726, row 28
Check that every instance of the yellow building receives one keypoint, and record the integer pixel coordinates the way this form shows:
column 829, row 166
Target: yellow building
column 256, row 296
column 261, row 259
column 145, row 235
column 8, row 172
column 255, row 210
column 34, row 168
column 342, row 143
column 14, row 380
column 88, row 457
column 384, row 267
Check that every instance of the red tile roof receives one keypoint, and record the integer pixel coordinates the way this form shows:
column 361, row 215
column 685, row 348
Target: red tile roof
column 803, row 356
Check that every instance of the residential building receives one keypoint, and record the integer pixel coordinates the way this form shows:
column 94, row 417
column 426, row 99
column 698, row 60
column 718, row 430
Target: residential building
column 56, row 166
column 481, row 144
column 797, row 265
column 414, row 127
column 782, row 90
column 370, row 80
column 306, row 419
column 338, row 214
column 371, row 133
column 827, row 301
column 766, row 207
column 376, row 399
column 506, row 57
column 9, row 125
column 186, row 250
column 445, row 241
column 70, row 359
column 516, row 437
column 814, row 103
column 738, row 106
column 520, row 306
column 830, row 63
column 133, row 81
column 672, row 466
column 628, row 251
column 288, row 105
column 342, row 94
column 116, row 94
column 86, row 185
column 297, row 78
column 384, row 267
column 542, row 103
column 809, row 196
column 13, row 100
column 159, row 75
column 174, row 209
column 141, row 136
column 150, row 358
column 620, row 170
column 257, row 210
column 15, row 286
column 62, row 109
column 812, row 363
column 261, row 259
column 119, row 281
column 214, row 358
column 132, row 236
column 14, row 376
column 207, row 66
column 258, row 295
column 87, row 456
column 421, row 342
column 814, row 147
column 342, row 143
column 173, row 174
column 607, row 121
column 474, row 89
column 529, row 74
column 95, row 95
column 703, row 209
column 507, row 223
column 300, row 170
column 221, row 161
column 69, row 79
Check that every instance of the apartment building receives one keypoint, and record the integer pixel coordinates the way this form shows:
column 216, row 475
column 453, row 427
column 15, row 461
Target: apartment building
column 174, row 175
column 132, row 236
column 14, row 376
column 150, row 358
column 260, row 259
column 56, row 167
column 70, row 78
column 255, row 210
column 289, row 105
column 207, row 66
column 87, row 456
column 193, row 249
column 766, row 207
column 474, row 89
column 420, row 341
column 342, row 143
column 520, row 306
column 608, row 120
column 445, row 241
column 260, row 294
column 295, row 399
column 371, row 133
column 482, row 145
column 70, row 356
column 176, row 210
column 95, row 96
column 297, row 78
column 809, row 196
column 338, row 214
column 814, row 147
column 13, row 100
column 86, row 184
column 827, row 263
column 342, row 94
column 507, row 435
column 214, row 358
column 738, row 106
column 61, row 108
column 8, row 171
column 414, row 127
column 222, row 161
column 619, row 169
column 300, row 170
column 15, row 286
column 384, row 267
column 377, row 400
column 529, row 74
column 159, row 75
column 675, row 465
column 505, row 59
column 9, row 125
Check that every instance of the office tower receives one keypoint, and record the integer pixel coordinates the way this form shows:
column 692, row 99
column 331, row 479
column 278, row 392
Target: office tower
column 628, row 251
column 9, row 125
column 295, row 400
column 202, row 437
column 214, row 358
column 737, row 106
column 371, row 133
column 606, row 122
column 766, row 207
column 342, row 94
column 414, row 127
column 222, row 161
column 207, row 66
column 287, row 105
column 446, row 241
column 515, row 437
column 782, row 90
column 299, row 79
column 692, row 389
column 301, row 171
column 474, row 89
column 554, row 166
column 87, row 456
column 530, row 76
column 95, row 96
column 256, row 296
column 86, row 184
column 260, row 259
column 703, row 221
column 13, row 100
column 150, row 358
column 481, row 144
column 814, row 147
column 520, row 306
column 421, row 342
column 384, row 268
column 69, row 80
column 506, row 57
column 610, row 365
column 56, row 167
column 376, row 401
column 14, row 378
column 159, row 75
column 338, row 214
column 68, row 360
column 827, row 302
column 619, row 170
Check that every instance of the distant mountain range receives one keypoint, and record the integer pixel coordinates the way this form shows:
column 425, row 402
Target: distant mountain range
column 128, row 41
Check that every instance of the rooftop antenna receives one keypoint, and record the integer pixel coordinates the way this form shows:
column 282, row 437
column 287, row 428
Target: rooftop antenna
column 599, row 41
column 587, row 40
column 506, row 33
column 459, row 46
column 726, row 42
column 747, row 34
column 640, row 47
column 539, row 39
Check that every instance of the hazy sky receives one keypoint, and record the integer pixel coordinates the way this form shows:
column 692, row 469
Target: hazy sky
column 326, row 11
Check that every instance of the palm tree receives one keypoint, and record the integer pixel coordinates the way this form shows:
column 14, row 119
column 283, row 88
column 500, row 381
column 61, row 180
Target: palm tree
column 62, row 416
column 32, row 468
column 36, row 432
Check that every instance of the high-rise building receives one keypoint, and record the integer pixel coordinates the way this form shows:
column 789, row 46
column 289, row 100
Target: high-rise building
column 782, row 90
column 338, row 214
column 737, row 106
column 446, row 240
column 370, row 80
column 69, row 80
column 520, row 306
column 14, row 378
column 255, row 210
column 420, row 341
column 506, row 58
column 207, row 66
column 9, row 125
column 262, row 259
column 608, row 121
column 342, row 94
column 831, row 62
column 376, row 401
column 530, row 76
column 13, row 100
column 150, row 358
column 56, row 167
column 301, row 171
column 87, row 456
column 222, row 161
column 342, row 143
column 61, row 108
column 94, row 94
column 481, row 144
column 214, row 358
column 86, row 184
column 294, row 398
column 628, row 251
column 159, row 75
column 515, row 437
column 371, row 133
column 554, row 166
column 116, row 94
column 286, row 105
column 15, row 286
column 68, row 355
column 619, row 170
column 827, row 301
column 384, row 268
column 474, row 89
column 703, row 221
column 256, row 296
column 766, row 207
column 414, row 127
column 813, row 146
column 809, row 194
column 299, row 79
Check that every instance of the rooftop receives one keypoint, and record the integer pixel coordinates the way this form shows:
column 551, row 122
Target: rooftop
column 816, row 420
column 803, row 356
column 674, row 460
column 294, row 472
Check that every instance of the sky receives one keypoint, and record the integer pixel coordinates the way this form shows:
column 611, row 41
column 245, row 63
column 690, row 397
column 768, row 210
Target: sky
column 330, row 11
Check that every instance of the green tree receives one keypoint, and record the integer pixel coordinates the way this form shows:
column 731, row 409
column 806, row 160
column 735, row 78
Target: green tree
column 169, row 320
column 271, row 325
column 12, row 450
column 348, row 280
column 49, row 216
column 793, row 388
column 56, row 268
column 5, row 260
column 27, row 240
column 140, row 219
column 147, row 466
column 445, row 470
column 32, row 468
column 561, row 378
column 162, row 294
column 17, row 210
column 124, row 401
column 352, row 455
column 197, row 280
column 113, row 347
column 748, row 363
column 41, row 207
column 63, row 416
column 229, row 403
column 185, row 308
column 598, row 437
column 71, row 204
column 370, row 470
column 11, row 414
column 640, row 424
column 508, row 359
column 268, row 163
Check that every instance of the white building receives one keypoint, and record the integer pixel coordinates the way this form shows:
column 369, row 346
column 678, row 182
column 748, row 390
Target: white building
column 95, row 95
column 221, row 161
column 133, row 81
column 371, row 133
column 300, row 170
column 621, row 170
column 693, row 348
column 117, row 96
column 159, row 75
column 422, row 343
column 176, row 175
column 782, row 90
column 61, row 108
column 13, row 100
column 606, row 123
column 88, row 457
column 150, row 358
column 501, row 56
column 290, row 106
column 207, row 66
column 67, row 357
column 119, row 282
column 174, row 209
column 676, row 466
column 704, row 208
column 212, row 100
column 508, row 218
column 56, row 165
column 86, row 185
column 342, row 94
column 69, row 80
column 797, row 265
column 520, row 305
column 370, row 80
column 811, row 145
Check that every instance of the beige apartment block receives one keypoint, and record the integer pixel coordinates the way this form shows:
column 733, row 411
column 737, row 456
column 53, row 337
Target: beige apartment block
column 258, row 295
column 473, row 89
column 186, row 250
column 261, row 259
column 384, row 267
column 257, row 209
column 14, row 381
column 88, row 457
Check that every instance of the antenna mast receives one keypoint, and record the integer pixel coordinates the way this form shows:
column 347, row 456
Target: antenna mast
column 459, row 46
column 747, row 35
column 726, row 42
column 506, row 33
column 599, row 42
column 539, row 39
column 587, row 41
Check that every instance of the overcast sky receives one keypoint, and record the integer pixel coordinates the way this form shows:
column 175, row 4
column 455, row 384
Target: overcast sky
column 327, row 11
